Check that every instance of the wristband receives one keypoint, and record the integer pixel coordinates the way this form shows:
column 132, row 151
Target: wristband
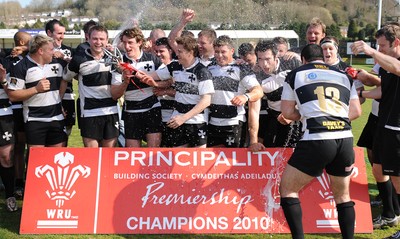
column 247, row 96
column 360, row 94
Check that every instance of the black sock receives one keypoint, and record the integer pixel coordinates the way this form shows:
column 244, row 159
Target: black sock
column 346, row 217
column 7, row 176
column 395, row 201
column 398, row 201
column 385, row 190
column 292, row 210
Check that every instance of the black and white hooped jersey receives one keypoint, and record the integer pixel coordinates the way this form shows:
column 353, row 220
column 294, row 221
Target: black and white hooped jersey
column 323, row 95
column 8, row 63
column 67, row 51
column 5, row 104
column 46, row 106
column 143, row 99
column 190, row 84
column 167, row 104
column 207, row 61
column 94, row 82
column 229, row 81
column 273, row 84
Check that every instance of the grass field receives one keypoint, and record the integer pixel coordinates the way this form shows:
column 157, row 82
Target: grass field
column 9, row 222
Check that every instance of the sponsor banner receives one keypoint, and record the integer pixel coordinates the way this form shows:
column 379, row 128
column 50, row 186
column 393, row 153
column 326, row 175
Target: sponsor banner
column 163, row 191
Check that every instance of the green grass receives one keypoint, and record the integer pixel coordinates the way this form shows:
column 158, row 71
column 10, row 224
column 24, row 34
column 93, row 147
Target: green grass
column 9, row 222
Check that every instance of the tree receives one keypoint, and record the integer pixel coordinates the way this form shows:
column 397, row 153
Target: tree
column 164, row 26
column 3, row 25
column 361, row 34
column 38, row 25
column 77, row 27
column 370, row 31
column 145, row 25
column 196, row 26
column 112, row 24
column 65, row 22
column 333, row 30
column 80, row 5
column 352, row 31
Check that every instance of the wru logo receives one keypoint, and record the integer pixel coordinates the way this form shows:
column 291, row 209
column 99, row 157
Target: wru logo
column 62, row 177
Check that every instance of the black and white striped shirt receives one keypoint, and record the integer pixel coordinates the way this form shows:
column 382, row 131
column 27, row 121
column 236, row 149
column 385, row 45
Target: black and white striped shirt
column 322, row 94
column 94, row 82
column 45, row 106
column 229, row 81
column 190, row 84
column 143, row 99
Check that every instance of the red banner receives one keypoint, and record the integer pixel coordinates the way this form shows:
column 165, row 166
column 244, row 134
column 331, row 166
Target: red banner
column 162, row 191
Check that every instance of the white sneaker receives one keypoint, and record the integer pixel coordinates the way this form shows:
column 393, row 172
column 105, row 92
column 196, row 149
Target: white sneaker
column 382, row 221
column 11, row 203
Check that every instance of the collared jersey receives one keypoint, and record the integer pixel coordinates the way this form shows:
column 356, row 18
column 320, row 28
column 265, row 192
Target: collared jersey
column 229, row 81
column 67, row 51
column 46, row 106
column 167, row 104
column 190, row 84
column 143, row 99
column 8, row 63
column 323, row 95
column 94, row 82
column 273, row 84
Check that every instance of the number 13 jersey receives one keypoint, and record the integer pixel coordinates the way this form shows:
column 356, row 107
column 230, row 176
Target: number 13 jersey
column 322, row 94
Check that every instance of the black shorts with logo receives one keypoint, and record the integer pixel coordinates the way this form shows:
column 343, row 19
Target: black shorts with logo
column 336, row 156
column 191, row 134
column 386, row 150
column 7, row 130
column 229, row 136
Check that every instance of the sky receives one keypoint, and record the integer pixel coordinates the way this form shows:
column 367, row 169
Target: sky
column 24, row 3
